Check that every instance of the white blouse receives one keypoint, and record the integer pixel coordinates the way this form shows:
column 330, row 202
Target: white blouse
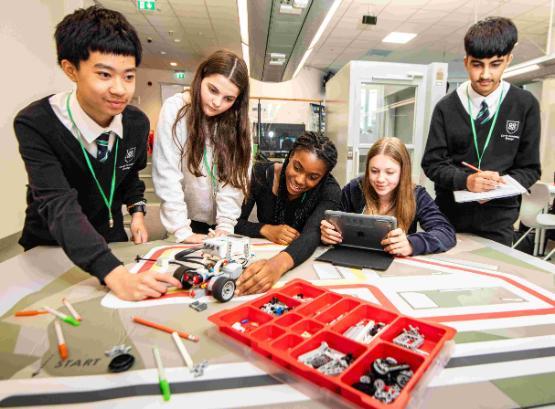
column 184, row 196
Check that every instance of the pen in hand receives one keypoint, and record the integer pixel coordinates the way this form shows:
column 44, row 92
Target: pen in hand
column 490, row 178
column 468, row 165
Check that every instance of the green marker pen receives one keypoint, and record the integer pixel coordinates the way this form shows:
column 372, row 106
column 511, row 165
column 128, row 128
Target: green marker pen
column 164, row 384
column 63, row 317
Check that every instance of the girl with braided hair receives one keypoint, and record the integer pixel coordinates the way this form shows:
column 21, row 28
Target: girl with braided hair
column 291, row 199
column 387, row 189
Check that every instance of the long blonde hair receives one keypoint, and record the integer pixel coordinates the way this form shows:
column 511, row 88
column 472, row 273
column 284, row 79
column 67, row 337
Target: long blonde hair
column 403, row 202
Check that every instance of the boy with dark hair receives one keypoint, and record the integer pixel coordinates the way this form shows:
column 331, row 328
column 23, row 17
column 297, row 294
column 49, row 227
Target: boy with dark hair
column 490, row 124
column 83, row 150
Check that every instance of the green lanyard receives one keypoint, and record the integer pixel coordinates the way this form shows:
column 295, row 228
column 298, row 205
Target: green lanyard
column 210, row 172
column 107, row 202
column 480, row 156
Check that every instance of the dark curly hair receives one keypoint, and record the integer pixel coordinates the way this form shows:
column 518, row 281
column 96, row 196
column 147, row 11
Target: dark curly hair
column 325, row 150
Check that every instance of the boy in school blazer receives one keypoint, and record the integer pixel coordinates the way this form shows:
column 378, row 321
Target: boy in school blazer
column 83, row 151
column 490, row 124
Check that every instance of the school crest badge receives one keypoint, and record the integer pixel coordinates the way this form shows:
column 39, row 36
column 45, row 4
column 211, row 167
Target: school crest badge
column 130, row 155
column 512, row 126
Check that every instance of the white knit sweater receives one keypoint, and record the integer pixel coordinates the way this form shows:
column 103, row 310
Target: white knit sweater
column 186, row 197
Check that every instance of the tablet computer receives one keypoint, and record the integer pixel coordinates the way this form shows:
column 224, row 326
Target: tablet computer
column 361, row 231
column 362, row 236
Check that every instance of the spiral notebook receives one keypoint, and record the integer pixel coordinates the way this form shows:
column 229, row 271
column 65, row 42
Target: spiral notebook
column 510, row 188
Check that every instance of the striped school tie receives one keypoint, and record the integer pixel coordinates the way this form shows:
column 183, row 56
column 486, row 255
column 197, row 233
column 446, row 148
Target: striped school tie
column 483, row 115
column 102, row 145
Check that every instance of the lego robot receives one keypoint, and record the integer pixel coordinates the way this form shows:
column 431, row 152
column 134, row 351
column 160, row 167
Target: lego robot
column 222, row 262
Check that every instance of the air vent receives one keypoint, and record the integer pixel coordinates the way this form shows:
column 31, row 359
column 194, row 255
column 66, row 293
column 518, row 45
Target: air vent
column 277, row 58
column 377, row 52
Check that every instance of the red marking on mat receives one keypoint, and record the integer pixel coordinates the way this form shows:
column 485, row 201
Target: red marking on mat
column 506, row 279
column 376, row 292
column 491, row 315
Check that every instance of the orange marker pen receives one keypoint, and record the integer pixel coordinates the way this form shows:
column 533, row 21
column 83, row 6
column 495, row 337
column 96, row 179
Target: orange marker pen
column 62, row 347
column 30, row 313
column 169, row 330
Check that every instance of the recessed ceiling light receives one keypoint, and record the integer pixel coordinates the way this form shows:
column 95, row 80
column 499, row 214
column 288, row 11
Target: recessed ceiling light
column 173, row 64
column 177, row 40
column 163, row 52
column 398, row 38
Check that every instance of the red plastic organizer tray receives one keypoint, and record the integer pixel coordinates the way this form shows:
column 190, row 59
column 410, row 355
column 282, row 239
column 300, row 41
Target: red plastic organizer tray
column 326, row 315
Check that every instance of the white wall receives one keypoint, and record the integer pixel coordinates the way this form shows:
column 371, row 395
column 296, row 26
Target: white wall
column 149, row 97
column 307, row 85
column 547, row 146
column 29, row 72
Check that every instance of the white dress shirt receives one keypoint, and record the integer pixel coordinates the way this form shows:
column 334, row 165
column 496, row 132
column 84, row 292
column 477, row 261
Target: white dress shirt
column 184, row 196
column 476, row 99
column 89, row 129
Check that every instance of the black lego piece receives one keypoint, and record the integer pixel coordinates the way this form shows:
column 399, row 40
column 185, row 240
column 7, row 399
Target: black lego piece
column 121, row 363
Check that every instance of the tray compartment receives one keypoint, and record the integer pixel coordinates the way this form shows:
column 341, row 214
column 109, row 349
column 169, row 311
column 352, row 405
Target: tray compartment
column 289, row 319
column 433, row 334
column 335, row 342
column 248, row 317
column 319, row 304
column 267, row 333
column 365, row 312
column 288, row 301
column 301, row 287
column 280, row 349
column 337, row 312
column 307, row 326
column 363, row 365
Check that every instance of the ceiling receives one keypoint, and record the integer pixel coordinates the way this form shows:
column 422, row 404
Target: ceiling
column 271, row 31
column 203, row 26
column 440, row 25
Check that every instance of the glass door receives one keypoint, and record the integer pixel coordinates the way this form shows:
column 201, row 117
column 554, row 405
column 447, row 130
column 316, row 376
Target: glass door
column 386, row 109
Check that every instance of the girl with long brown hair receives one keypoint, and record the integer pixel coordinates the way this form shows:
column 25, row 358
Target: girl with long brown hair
column 202, row 151
column 387, row 189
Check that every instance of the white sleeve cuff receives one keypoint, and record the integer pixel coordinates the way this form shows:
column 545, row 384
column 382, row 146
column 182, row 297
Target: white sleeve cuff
column 183, row 234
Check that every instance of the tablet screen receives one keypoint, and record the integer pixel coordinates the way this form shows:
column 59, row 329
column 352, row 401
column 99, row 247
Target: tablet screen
column 361, row 230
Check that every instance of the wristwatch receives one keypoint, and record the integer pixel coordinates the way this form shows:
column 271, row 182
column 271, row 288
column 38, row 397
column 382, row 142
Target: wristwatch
column 137, row 207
